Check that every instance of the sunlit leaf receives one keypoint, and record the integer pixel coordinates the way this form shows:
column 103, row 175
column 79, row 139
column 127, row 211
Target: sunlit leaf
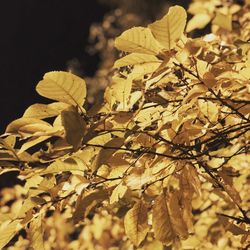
column 118, row 193
column 170, row 28
column 35, row 233
column 223, row 21
column 63, row 87
column 139, row 40
column 41, row 111
column 62, row 166
column 28, row 126
column 7, row 232
column 198, row 21
column 135, row 58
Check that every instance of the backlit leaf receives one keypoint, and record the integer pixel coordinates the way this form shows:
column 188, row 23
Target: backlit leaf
column 63, row 87
column 134, row 59
column 170, row 28
column 139, row 40
column 35, row 233
column 198, row 21
column 41, row 111
column 7, row 232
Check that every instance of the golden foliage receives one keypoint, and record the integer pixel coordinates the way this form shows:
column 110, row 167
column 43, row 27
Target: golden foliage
column 162, row 162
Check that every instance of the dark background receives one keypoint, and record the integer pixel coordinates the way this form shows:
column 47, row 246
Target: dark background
column 38, row 36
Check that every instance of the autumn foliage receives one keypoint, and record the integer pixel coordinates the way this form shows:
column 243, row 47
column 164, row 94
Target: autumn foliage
column 163, row 163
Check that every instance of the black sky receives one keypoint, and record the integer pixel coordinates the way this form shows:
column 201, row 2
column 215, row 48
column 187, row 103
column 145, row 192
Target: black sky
column 38, row 36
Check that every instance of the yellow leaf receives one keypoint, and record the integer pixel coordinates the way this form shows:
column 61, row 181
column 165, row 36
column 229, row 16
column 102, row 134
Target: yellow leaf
column 118, row 193
column 193, row 94
column 136, row 223
column 74, row 126
column 62, row 166
column 245, row 73
column 35, row 233
column 168, row 223
column 86, row 203
column 28, row 126
column 41, row 111
column 137, row 178
column 199, row 21
column 139, row 40
column 33, row 181
column 26, row 206
column 32, row 142
column 134, row 59
column 7, row 232
column 119, row 93
column 170, row 28
column 106, row 153
column 223, row 21
column 209, row 109
column 63, row 87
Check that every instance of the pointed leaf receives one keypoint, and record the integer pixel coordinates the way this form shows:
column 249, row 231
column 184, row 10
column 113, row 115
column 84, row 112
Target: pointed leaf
column 170, row 28
column 118, row 193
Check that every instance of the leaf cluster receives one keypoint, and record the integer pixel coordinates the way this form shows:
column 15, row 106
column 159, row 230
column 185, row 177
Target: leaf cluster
column 162, row 162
